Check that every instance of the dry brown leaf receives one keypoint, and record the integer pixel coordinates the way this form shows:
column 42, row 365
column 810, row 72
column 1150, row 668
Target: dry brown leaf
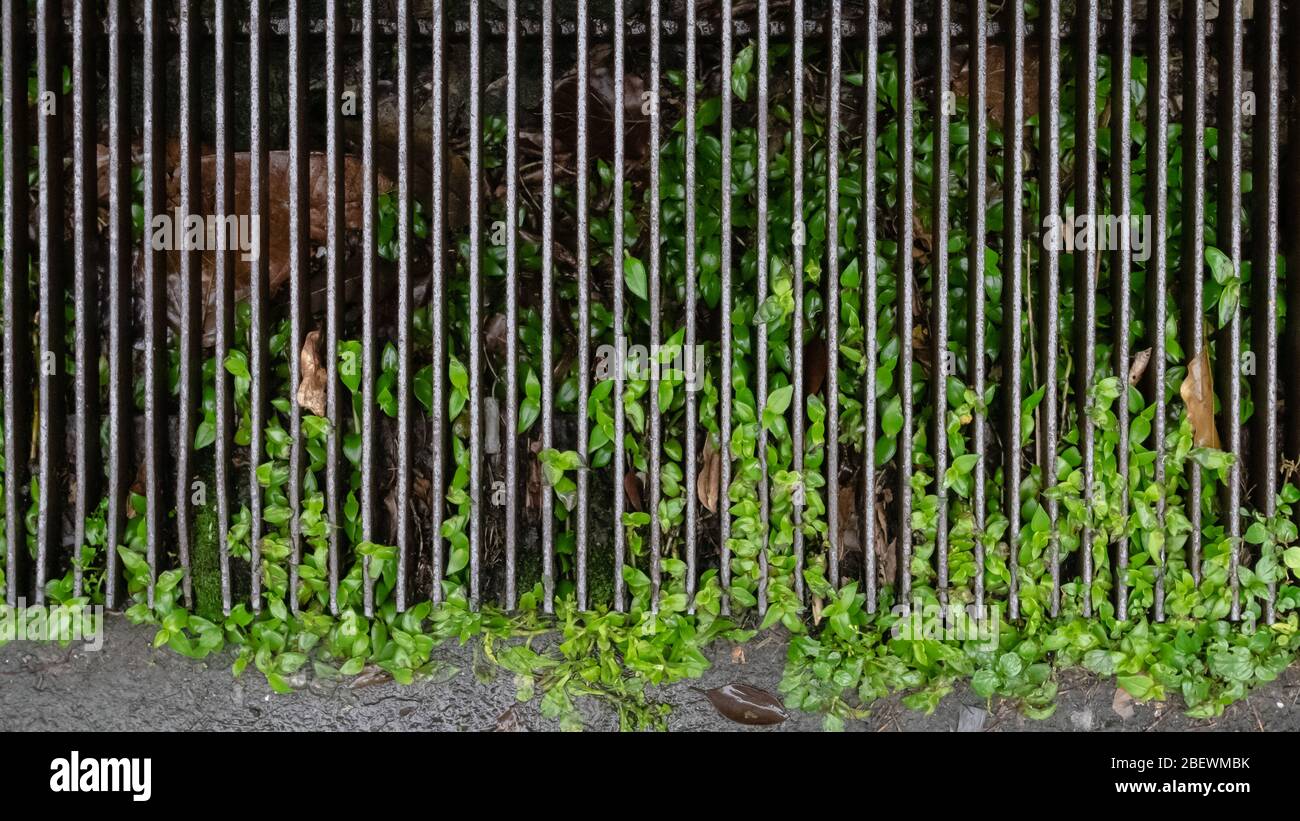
column 817, row 606
column 1198, row 394
column 632, row 486
column 315, row 377
column 1122, row 704
column 707, row 484
column 1140, row 361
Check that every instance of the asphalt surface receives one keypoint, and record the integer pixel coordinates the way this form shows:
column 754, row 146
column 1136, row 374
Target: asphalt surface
column 130, row 686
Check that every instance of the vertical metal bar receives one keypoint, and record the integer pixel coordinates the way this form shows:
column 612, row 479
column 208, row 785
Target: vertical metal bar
column 832, row 299
column 797, row 272
column 1231, row 126
column 299, row 215
column 620, row 414
column 155, row 285
column 1157, row 270
column 905, row 291
column 1014, row 255
column 656, row 309
column 692, row 278
column 369, row 253
column 1049, row 89
column 1264, row 272
column 333, row 287
column 1121, row 296
column 939, row 291
column 405, row 214
column 1193, row 251
column 512, row 297
column 976, row 340
column 120, row 427
column 17, row 299
column 476, row 297
column 548, row 292
column 1088, row 24
column 298, row 272
column 724, row 273
column 438, row 297
column 258, row 281
column 85, row 232
column 761, row 252
column 867, row 264
column 51, row 292
column 191, row 286
column 224, row 288
column 584, row 299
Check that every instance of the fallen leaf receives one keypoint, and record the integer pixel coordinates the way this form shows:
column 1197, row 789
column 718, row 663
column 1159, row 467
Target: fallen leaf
column 1140, row 361
column 315, row 377
column 372, row 674
column 1122, row 704
column 632, row 486
column 707, row 484
column 817, row 605
column 1198, row 394
column 814, row 366
column 744, row 704
column 738, row 654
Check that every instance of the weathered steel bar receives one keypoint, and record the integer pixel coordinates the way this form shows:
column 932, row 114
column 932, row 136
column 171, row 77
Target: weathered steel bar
column 223, row 287
column 870, row 322
column 548, row 295
column 512, row 299
column 405, row 308
column 299, row 254
column 939, row 285
column 905, row 293
column 832, row 298
column 584, row 305
column 724, row 273
column 51, row 292
column 1049, row 89
column 692, row 287
column 760, row 291
column 191, row 288
column 476, row 304
column 1015, row 254
column 620, row 412
column 800, row 239
column 259, row 281
column 334, row 237
column 85, row 234
column 154, row 275
column 656, row 307
column 438, row 298
column 976, row 332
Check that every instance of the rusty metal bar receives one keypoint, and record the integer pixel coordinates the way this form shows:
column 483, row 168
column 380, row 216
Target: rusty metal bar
column 120, row 409
column 512, row 303
column 760, row 287
column 405, row 307
column 548, row 294
column 724, row 273
column 692, row 288
column 584, row 299
column 258, row 280
column 870, row 321
column 369, row 261
column 1015, row 254
column 905, row 292
column 800, row 238
column 619, row 219
column 832, row 298
column 51, row 290
column 191, row 288
column 476, row 303
column 438, row 300
column 299, row 255
column 939, row 290
column 333, row 294
column 656, row 308
column 976, row 332
column 17, row 302
column 1049, row 90
column 1121, row 190
column 85, row 233
column 154, row 165
column 223, row 286
column 1087, row 266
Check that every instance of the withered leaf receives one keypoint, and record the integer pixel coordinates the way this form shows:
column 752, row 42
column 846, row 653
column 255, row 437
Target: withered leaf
column 1140, row 361
column 814, row 366
column 315, row 377
column 707, row 485
column 744, row 704
column 1198, row 394
column 632, row 486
